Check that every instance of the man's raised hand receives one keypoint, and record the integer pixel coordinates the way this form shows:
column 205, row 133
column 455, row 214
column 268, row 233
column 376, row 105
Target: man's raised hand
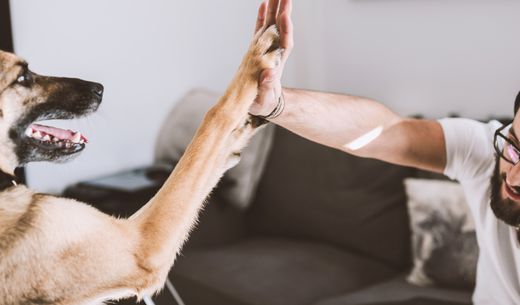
column 269, row 83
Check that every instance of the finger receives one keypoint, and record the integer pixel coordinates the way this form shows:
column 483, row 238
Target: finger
column 286, row 35
column 260, row 20
column 285, row 7
column 285, row 27
column 284, row 12
column 272, row 11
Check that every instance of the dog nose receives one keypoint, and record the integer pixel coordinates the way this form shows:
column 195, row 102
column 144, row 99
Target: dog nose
column 97, row 89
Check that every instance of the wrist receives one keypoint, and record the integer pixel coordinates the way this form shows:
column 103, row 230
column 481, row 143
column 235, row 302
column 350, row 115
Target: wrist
column 278, row 109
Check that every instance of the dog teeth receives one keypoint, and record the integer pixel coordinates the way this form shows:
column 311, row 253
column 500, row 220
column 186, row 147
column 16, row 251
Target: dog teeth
column 76, row 138
column 37, row 135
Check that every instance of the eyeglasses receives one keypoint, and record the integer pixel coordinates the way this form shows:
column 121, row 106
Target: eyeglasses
column 505, row 147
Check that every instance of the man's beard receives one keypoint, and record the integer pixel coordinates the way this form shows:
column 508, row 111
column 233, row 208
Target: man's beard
column 505, row 209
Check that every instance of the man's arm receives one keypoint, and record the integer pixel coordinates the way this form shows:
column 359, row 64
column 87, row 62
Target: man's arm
column 363, row 128
column 352, row 124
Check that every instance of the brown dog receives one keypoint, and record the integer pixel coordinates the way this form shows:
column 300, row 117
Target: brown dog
column 60, row 251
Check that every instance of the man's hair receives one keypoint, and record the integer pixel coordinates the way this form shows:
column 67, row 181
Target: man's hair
column 517, row 102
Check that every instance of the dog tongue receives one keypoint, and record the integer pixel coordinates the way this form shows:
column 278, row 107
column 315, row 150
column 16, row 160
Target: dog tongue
column 61, row 134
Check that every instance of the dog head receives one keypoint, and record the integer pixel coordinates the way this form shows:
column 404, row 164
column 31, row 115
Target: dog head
column 27, row 98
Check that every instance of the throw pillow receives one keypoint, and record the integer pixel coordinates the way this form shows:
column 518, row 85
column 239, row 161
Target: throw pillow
column 444, row 245
column 238, row 185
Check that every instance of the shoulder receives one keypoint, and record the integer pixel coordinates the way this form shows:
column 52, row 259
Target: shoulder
column 469, row 147
column 469, row 126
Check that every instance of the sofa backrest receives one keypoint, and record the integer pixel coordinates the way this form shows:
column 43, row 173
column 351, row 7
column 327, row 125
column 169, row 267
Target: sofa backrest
column 312, row 192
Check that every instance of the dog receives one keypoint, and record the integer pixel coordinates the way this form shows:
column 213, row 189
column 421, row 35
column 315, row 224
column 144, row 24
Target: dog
column 55, row 250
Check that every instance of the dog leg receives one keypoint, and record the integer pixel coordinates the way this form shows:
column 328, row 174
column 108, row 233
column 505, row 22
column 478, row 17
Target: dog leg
column 163, row 224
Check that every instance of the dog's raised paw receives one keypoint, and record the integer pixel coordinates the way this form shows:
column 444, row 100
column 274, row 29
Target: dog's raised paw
column 268, row 40
column 266, row 50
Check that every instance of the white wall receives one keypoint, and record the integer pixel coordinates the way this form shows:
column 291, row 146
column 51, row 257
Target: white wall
column 417, row 56
column 146, row 53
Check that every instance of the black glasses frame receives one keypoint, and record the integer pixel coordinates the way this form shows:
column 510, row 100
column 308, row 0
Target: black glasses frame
column 500, row 152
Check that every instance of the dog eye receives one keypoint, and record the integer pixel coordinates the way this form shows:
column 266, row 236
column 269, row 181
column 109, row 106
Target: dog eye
column 24, row 79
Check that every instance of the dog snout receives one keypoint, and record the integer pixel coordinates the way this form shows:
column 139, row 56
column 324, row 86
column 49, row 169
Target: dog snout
column 97, row 90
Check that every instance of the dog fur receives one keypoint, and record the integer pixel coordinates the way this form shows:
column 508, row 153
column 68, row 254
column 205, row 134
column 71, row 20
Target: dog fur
column 59, row 251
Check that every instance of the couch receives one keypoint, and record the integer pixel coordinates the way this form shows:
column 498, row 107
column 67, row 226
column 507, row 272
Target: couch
column 323, row 228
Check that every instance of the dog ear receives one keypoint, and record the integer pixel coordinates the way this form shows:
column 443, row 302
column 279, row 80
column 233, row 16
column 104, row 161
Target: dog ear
column 10, row 66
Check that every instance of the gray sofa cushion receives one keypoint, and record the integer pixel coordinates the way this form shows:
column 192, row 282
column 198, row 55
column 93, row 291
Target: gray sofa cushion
column 313, row 192
column 272, row 271
column 397, row 291
column 445, row 249
column 238, row 184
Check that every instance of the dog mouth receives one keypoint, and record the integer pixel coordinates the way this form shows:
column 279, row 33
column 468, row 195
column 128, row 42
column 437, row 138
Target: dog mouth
column 57, row 99
column 39, row 141
column 36, row 140
column 49, row 137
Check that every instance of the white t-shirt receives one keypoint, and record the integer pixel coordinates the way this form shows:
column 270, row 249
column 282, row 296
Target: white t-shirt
column 471, row 161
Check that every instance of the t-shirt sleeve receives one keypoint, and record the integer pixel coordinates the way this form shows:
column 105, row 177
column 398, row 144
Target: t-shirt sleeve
column 469, row 147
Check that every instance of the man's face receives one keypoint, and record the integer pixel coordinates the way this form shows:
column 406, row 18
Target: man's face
column 505, row 183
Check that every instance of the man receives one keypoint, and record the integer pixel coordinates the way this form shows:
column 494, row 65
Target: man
column 482, row 157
